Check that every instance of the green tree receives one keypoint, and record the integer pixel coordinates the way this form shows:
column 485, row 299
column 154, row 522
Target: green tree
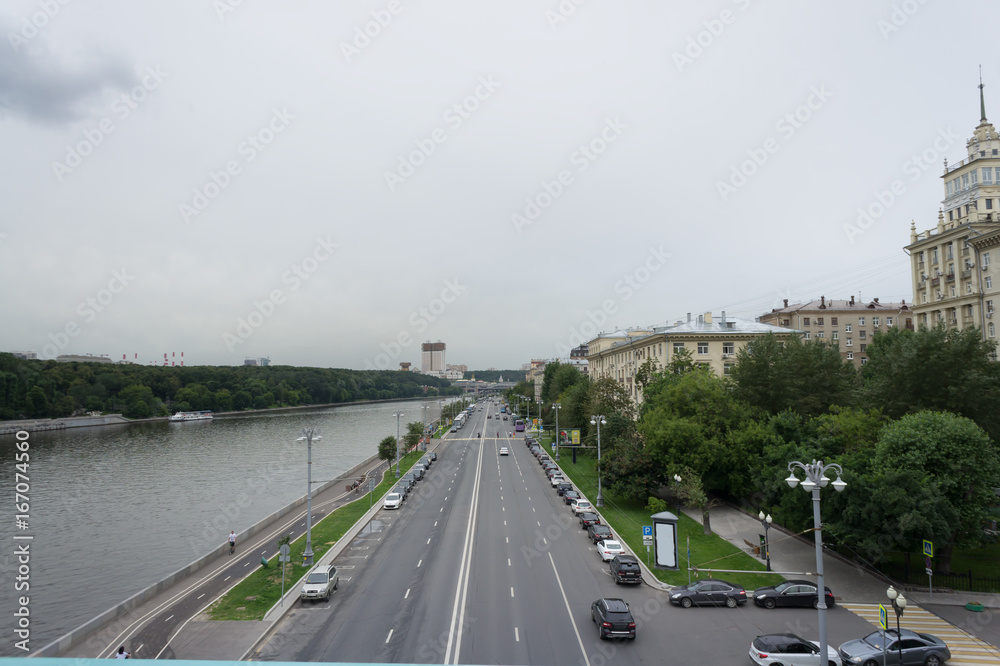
column 387, row 448
column 938, row 369
column 414, row 431
column 37, row 403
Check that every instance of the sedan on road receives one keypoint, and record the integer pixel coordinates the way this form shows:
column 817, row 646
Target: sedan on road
column 569, row 496
column 557, row 479
column 392, row 501
column 916, row 648
column 564, row 488
column 613, row 618
column 789, row 650
column 587, row 519
column 708, row 592
column 504, row 451
column 608, row 548
column 599, row 533
column 795, row 593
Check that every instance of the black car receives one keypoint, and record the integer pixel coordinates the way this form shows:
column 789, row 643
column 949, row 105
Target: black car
column 613, row 618
column 588, row 518
column 625, row 569
column 564, row 487
column 598, row 532
column 794, row 593
column 402, row 490
column 709, row 592
column 569, row 496
column 433, row 456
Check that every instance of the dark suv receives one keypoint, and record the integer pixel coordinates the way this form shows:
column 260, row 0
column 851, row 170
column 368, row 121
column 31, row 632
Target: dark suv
column 613, row 618
column 625, row 569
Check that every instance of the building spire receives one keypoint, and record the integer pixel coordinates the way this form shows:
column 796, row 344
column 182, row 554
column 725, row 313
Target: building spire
column 982, row 101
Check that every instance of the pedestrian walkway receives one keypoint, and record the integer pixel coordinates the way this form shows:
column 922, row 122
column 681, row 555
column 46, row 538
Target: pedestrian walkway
column 966, row 650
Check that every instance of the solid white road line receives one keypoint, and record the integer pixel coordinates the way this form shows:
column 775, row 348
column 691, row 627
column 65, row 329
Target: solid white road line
column 569, row 612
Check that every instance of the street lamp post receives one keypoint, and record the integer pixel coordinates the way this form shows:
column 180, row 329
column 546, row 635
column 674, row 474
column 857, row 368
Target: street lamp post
column 598, row 420
column 677, row 492
column 397, row 415
column 308, row 435
column 556, row 406
column 898, row 605
column 766, row 522
column 424, row 438
column 815, row 479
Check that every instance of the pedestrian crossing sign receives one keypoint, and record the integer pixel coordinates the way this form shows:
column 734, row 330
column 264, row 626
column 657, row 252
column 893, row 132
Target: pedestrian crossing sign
column 928, row 548
column 883, row 617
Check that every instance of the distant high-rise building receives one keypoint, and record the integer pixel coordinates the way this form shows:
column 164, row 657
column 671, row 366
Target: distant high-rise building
column 405, row 366
column 432, row 357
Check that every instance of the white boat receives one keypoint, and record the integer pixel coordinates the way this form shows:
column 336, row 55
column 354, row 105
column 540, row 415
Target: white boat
column 192, row 416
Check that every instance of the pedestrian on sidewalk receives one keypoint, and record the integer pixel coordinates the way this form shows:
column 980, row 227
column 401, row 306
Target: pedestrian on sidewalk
column 232, row 542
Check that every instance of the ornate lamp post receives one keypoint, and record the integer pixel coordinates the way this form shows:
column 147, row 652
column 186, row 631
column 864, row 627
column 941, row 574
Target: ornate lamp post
column 397, row 415
column 898, row 605
column 677, row 481
column 308, row 435
column 556, row 406
column 766, row 522
column 424, row 437
column 598, row 420
column 815, row 479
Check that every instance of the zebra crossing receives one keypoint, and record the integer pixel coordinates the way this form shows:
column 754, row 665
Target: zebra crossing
column 966, row 650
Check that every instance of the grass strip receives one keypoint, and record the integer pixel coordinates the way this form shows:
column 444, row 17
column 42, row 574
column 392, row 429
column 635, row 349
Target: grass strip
column 252, row 597
column 626, row 518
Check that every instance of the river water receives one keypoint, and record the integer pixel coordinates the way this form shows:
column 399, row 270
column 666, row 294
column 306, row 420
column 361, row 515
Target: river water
column 113, row 509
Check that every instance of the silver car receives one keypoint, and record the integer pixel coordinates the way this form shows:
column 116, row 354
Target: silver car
column 915, row 649
column 320, row 583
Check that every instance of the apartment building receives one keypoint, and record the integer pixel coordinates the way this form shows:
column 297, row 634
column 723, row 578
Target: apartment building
column 848, row 324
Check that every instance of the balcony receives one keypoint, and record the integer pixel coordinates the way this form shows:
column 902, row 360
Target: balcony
column 935, row 281
column 966, row 274
column 950, row 277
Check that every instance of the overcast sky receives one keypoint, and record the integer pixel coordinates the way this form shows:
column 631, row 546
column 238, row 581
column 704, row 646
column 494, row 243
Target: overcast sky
column 331, row 184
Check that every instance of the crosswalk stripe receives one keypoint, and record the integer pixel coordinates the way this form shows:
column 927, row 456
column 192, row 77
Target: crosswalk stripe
column 966, row 649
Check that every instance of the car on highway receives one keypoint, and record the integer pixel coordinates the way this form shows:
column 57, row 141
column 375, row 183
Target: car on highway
column 581, row 505
column 569, row 496
column 789, row 650
column 417, row 471
column 454, row 428
column 433, row 456
column 320, row 583
column 791, row 593
column 551, row 472
column 392, row 501
column 564, row 488
column 626, row 569
column 708, row 592
column 588, row 518
column 556, row 479
column 613, row 618
column 405, row 484
column 608, row 548
column 504, row 451
column 917, row 649
column 401, row 490
column 597, row 533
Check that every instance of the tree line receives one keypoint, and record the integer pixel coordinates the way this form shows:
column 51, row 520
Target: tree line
column 916, row 431
column 50, row 389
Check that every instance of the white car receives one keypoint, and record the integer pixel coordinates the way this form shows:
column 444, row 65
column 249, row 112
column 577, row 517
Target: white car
column 790, row 650
column 557, row 479
column 392, row 501
column 581, row 505
column 320, row 583
column 504, row 451
column 608, row 548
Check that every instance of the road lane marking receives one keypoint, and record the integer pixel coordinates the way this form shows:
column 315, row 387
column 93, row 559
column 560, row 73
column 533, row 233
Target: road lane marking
column 407, row 595
column 389, row 636
column 419, row 562
column 508, row 561
column 511, row 592
column 517, row 638
column 428, row 541
column 435, row 523
column 586, row 659
column 200, row 596
column 169, row 618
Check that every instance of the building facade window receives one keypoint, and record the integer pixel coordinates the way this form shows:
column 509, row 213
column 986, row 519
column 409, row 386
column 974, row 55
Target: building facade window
column 968, row 287
column 861, row 321
column 875, row 322
column 863, row 347
column 987, row 175
column 702, row 347
column 835, row 335
column 849, row 342
column 986, row 255
column 727, row 369
column 833, row 321
column 850, row 356
column 992, row 330
column 821, row 334
column 989, row 282
column 847, row 328
column 819, row 321
column 862, row 335
column 888, row 322
column 805, row 321
column 864, row 361
column 805, row 336
column 678, row 346
column 728, row 347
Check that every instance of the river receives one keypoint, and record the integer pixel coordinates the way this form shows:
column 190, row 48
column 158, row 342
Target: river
column 113, row 509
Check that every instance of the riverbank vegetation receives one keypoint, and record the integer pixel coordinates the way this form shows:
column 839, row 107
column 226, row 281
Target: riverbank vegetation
column 916, row 432
column 49, row 389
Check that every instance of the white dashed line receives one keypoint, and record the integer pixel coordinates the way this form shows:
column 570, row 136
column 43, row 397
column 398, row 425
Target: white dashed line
column 512, row 593
column 389, row 636
column 508, row 561
column 428, row 541
column 419, row 562
column 405, row 596
column 517, row 638
column 435, row 523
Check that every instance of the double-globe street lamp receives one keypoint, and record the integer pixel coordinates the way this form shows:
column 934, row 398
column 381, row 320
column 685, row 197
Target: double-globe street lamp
column 766, row 522
column 898, row 605
column 397, row 415
column 308, row 435
column 424, row 437
column 599, row 420
column 815, row 479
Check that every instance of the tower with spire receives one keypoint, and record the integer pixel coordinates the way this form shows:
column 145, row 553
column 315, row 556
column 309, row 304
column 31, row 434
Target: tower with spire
column 954, row 264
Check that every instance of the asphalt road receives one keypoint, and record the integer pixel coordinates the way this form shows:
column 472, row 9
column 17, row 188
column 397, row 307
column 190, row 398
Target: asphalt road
column 484, row 564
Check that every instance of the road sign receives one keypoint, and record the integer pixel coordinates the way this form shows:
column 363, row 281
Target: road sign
column 647, row 531
column 927, row 562
column 647, row 541
column 883, row 617
column 284, row 551
column 575, row 437
column 929, row 572
column 928, row 548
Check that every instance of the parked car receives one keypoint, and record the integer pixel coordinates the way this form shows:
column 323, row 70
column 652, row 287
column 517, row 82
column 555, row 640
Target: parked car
column 405, row 484
column 709, row 592
column 417, row 472
column 504, row 451
column 597, row 533
column 556, row 479
column 626, row 569
column 588, row 518
column 392, row 501
column 569, row 496
column 608, row 548
column 613, row 618
column 320, row 583
column 917, row 649
column 564, row 488
column 433, row 456
column 800, row 593
column 401, row 490
column 789, row 650
column 581, row 505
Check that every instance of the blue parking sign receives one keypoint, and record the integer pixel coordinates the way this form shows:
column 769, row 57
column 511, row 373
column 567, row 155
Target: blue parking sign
column 647, row 530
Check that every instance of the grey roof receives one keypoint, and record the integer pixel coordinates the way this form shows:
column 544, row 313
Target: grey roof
column 819, row 306
column 698, row 326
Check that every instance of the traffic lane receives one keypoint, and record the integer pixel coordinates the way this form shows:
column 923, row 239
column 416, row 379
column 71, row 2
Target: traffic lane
column 377, row 589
